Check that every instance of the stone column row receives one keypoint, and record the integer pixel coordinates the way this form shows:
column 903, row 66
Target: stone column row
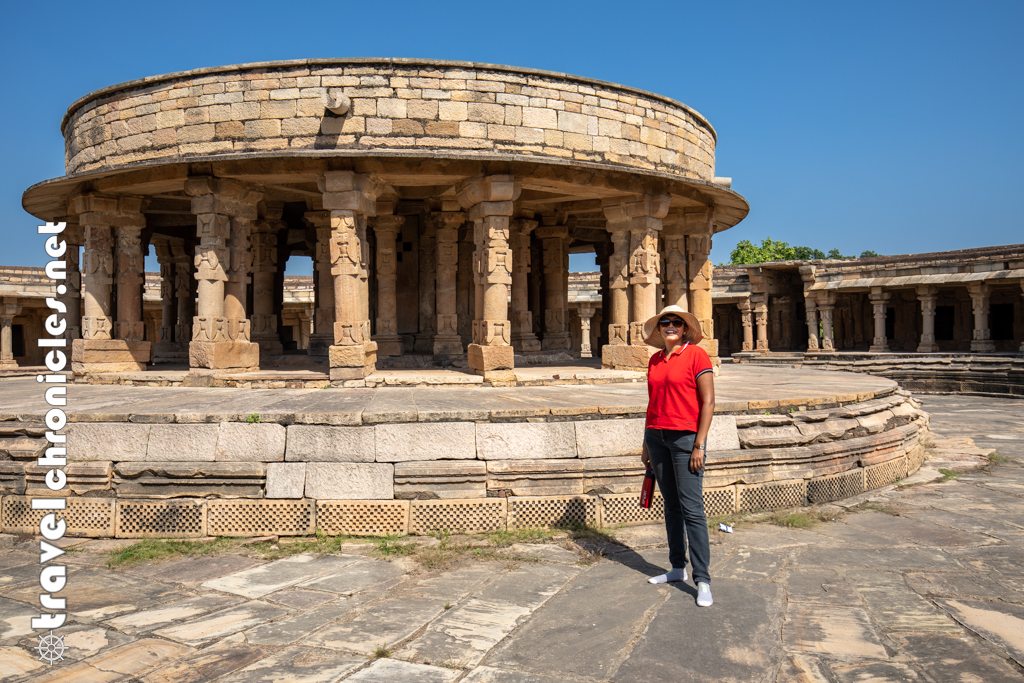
column 8, row 309
column 447, row 223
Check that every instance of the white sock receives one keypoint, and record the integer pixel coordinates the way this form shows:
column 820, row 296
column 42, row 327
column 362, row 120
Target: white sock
column 677, row 574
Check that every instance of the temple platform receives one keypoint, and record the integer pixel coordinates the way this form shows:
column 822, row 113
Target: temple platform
column 158, row 460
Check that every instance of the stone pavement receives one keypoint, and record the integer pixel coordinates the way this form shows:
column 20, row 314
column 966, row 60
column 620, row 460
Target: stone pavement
column 935, row 593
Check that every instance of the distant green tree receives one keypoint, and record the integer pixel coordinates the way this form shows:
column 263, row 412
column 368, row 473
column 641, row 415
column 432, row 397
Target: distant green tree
column 867, row 253
column 836, row 254
column 807, row 254
column 769, row 250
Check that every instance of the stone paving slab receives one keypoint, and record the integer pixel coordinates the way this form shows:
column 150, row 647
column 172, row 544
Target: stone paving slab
column 295, row 627
column 193, row 571
column 201, row 630
column 230, row 654
column 385, row 624
column 834, row 631
column 356, row 577
column 391, row 671
column 145, row 621
column 298, row 665
column 265, row 579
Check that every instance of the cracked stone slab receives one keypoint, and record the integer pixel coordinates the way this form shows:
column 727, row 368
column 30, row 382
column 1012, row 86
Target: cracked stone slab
column 295, row 627
column 823, row 586
column 866, row 672
column 201, row 630
column 996, row 622
column 230, row 654
column 151, row 619
column 83, row 640
column 594, row 619
column 18, row 661
column 393, row 670
column 383, row 624
column 300, row 599
column 16, row 617
column 749, row 564
column 298, row 665
column 196, row 570
column 896, row 607
column 956, row 659
column 488, row 674
column 884, row 558
column 360, row 576
column 918, row 532
column 968, row 585
column 548, row 553
column 834, row 631
column 734, row 641
column 273, row 576
column 455, row 585
column 132, row 658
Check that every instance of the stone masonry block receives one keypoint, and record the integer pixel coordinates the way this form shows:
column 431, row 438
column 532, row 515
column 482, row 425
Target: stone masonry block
column 602, row 438
column 186, row 442
column 723, row 435
column 286, row 479
column 519, row 440
column 107, row 441
column 349, row 481
column 244, row 442
column 425, row 441
column 318, row 443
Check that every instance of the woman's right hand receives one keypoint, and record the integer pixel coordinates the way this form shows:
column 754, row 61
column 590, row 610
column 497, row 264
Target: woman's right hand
column 644, row 457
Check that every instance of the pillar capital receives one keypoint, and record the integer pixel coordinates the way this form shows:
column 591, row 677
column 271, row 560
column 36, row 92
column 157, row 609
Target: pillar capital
column 94, row 208
column 389, row 223
column 492, row 189
column 350, row 191
column 448, row 220
column 223, row 196
column 628, row 209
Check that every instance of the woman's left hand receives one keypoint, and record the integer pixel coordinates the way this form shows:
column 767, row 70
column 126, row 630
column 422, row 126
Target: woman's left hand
column 697, row 461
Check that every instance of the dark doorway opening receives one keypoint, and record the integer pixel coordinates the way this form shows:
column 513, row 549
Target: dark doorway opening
column 1000, row 318
column 944, row 323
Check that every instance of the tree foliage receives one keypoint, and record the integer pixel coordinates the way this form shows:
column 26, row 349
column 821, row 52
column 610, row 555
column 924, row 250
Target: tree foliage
column 746, row 252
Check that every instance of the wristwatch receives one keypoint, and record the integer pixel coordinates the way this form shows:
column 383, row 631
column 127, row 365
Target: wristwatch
column 700, row 446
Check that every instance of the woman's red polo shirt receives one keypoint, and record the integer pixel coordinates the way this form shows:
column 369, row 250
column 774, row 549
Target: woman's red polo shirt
column 673, row 398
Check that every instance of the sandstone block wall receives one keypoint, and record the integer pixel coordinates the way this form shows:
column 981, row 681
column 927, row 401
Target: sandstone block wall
column 462, row 109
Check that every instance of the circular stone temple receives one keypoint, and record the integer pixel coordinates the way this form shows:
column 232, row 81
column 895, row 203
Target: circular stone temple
column 426, row 193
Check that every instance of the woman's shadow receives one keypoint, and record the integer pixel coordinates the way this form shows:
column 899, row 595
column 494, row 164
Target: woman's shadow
column 632, row 559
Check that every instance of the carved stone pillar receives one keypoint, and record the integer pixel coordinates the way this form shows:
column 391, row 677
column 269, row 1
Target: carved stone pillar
column 586, row 313
column 130, row 274
column 351, row 198
column 676, row 280
column 489, row 202
column 165, row 349
column 465, row 286
column 8, row 310
column 812, row 323
column 447, row 340
column 424, row 341
column 264, row 274
column 72, row 297
column 618, row 284
column 323, row 282
column 635, row 224
column 224, row 212
column 827, row 304
column 523, row 338
column 97, row 351
column 879, row 301
column 761, row 321
column 386, row 229
column 556, row 328
column 185, row 294
column 747, row 322
column 981, row 341
column 927, row 295
column 698, row 249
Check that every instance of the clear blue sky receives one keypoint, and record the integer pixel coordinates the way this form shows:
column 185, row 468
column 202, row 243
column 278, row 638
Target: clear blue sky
column 891, row 126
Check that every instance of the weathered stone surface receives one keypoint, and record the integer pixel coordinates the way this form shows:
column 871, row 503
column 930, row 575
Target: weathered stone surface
column 189, row 479
column 212, row 662
column 215, row 355
column 723, row 435
column 316, row 443
column 298, row 664
column 766, row 437
column 386, row 623
column 350, row 481
column 834, row 631
column 206, row 628
column 390, row 670
column 603, row 438
column 954, row 659
column 18, row 662
column 560, row 477
column 243, row 442
column 998, row 622
column 440, row 479
column 425, row 441
column 149, row 620
column 490, row 358
column 626, row 357
column 103, row 441
column 135, row 657
column 517, row 440
column 286, row 479
column 265, row 579
column 896, row 607
column 24, row 447
column 355, row 577
column 192, row 442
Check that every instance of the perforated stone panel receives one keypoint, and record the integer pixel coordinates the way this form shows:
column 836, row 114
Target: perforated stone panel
column 90, row 517
column 468, row 516
column 772, row 495
column 362, row 517
column 624, row 508
column 163, row 518
column 836, row 486
column 260, row 517
column 883, row 474
column 524, row 513
column 720, row 501
column 915, row 459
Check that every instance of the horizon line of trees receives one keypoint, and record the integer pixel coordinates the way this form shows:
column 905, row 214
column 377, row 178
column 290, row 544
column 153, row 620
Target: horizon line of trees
column 747, row 253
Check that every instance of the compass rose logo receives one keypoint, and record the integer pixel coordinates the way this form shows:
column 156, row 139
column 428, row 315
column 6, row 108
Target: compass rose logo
column 51, row 648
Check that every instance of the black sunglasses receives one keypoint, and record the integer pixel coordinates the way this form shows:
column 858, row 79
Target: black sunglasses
column 678, row 324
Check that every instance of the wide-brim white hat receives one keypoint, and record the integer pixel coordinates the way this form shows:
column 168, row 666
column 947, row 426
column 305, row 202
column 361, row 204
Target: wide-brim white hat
column 652, row 332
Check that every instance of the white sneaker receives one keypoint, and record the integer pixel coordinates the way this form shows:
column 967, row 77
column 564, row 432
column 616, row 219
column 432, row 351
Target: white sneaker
column 704, row 598
column 674, row 575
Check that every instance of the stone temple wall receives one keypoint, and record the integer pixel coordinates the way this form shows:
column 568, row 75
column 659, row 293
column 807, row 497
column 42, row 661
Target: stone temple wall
column 394, row 105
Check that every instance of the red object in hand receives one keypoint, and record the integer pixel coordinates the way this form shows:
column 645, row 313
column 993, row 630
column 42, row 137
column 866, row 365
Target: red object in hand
column 647, row 491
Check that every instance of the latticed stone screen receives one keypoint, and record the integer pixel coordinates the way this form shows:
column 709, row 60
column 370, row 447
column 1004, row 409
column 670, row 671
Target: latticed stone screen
column 720, row 501
column 624, row 508
column 259, row 517
column 836, row 486
column 165, row 518
column 883, row 474
column 362, row 517
column 92, row 517
column 525, row 513
column 466, row 516
column 772, row 495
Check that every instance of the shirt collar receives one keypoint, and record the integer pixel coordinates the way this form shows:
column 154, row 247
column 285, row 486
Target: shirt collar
column 676, row 352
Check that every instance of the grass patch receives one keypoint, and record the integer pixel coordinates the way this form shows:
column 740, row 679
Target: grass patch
column 947, row 475
column 801, row 519
column 996, row 459
column 734, row 520
column 503, row 538
column 877, row 507
column 381, row 651
column 156, row 549
column 390, row 546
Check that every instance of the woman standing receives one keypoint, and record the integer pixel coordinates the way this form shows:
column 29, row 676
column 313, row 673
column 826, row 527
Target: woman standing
column 681, row 400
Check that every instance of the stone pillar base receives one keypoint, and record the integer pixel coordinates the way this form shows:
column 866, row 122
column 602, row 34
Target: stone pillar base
column 320, row 344
column 556, row 340
column 236, row 355
column 447, row 345
column 495, row 363
column 169, row 352
column 269, row 346
column 388, row 345
column 878, row 348
column 109, row 355
column 352, row 362
column 626, row 356
column 423, row 343
column 983, row 346
column 8, row 365
column 525, row 343
column 927, row 347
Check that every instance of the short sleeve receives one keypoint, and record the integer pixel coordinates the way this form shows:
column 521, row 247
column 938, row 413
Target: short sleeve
column 701, row 362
